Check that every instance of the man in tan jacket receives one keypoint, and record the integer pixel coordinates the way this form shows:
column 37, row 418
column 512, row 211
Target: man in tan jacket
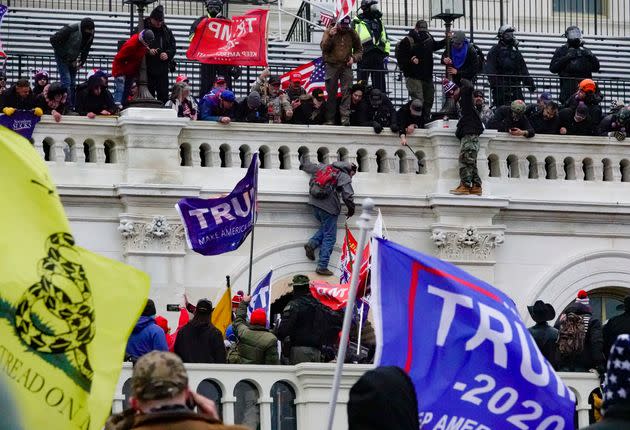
column 341, row 47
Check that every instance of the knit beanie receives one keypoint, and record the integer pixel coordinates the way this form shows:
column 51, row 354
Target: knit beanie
column 157, row 13
column 149, row 309
column 617, row 382
column 448, row 86
column 582, row 297
column 258, row 317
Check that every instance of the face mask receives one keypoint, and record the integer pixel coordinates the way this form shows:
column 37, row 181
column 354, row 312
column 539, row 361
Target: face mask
column 575, row 43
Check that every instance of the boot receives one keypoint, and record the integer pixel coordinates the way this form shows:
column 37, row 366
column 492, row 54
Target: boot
column 461, row 190
column 310, row 252
column 323, row 271
column 475, row 190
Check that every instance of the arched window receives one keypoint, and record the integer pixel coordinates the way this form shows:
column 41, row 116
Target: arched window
column 225, row 155
column 342, row 154
column 569, row 169
column 246, row 156
column 303, row 154
column 69, row 148
column 533, row 167
column 402, row 161
column 606, row 302
column 550, row 168
column 382, row 162
column 283, row 413
column 89, row 149
column 212, row 390
column 608, row 170
column 323, row 155
column 512, row 162
column 362, row 160
column 48, row 145
column 264, row 154
column 246, row 408
column 587, row 167
column 422, row 165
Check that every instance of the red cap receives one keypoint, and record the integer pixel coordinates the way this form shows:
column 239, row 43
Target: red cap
column 582, row 294
column 258, row 317
column 296, row 77
column 163, row 323
column 181, row 78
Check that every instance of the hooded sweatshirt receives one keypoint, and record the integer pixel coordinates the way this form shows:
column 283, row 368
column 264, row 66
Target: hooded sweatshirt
column 199, row 342
column 146, row 336
column 332, row 203
column 383, row 398
column 72, row 42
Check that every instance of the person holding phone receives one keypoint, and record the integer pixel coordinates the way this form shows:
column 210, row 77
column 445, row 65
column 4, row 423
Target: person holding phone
column 511, row 119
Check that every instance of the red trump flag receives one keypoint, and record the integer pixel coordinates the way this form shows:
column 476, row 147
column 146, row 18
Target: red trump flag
column 240, row 41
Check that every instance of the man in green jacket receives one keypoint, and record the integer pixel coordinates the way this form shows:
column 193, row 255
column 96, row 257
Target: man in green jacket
column 72, row 45
column 256, row 344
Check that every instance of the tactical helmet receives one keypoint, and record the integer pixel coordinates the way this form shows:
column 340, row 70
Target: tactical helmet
column 367, row 3
column 573, row 32
column 518, row 107
column 506, row 28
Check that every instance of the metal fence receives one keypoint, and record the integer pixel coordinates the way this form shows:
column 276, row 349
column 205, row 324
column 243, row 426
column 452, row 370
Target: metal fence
column 172, row 7
column 22, row 65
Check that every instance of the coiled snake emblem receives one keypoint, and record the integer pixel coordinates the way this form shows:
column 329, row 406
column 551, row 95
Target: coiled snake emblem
column 57, row 270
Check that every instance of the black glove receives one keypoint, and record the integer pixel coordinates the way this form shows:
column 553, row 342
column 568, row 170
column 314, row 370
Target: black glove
column 378, row 128
column 619, row 135
column 350, row 210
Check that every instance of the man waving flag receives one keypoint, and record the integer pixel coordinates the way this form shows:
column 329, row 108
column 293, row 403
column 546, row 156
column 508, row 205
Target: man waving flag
column 261, row 297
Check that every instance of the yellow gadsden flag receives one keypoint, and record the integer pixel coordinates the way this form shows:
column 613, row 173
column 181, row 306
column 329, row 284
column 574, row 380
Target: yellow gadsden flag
column 65, row 313
column 222, row 313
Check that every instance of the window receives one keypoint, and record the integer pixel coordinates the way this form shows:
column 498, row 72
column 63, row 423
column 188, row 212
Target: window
column 247, row 409
column 581, row 6
column 211, row 390
column 605, row 302
column 283, row 415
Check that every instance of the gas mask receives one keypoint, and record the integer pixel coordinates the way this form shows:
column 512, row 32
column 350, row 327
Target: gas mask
column 509, row 39
column 214, row 7
column 574, row 37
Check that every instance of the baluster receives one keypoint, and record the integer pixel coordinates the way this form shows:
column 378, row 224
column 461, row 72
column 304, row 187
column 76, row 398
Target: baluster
column 274, row 158
column 560, row 170
column 372, row 163
column 99, row 148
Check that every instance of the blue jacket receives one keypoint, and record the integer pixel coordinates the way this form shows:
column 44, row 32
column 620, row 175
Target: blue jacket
column 210, row 108
column 146, row 336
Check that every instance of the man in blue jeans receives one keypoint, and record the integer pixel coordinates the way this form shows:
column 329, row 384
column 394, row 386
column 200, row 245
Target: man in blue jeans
column 328, row 183
column 72, row 45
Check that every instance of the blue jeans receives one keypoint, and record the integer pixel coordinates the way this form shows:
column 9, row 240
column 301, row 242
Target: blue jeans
column 325, row 237
column 119, row 92
column 67, row 77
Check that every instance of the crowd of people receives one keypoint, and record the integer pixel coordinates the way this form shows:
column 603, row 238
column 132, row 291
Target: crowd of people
column 362, row 41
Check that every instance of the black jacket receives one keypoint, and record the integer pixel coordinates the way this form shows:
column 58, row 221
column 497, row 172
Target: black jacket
column 611, row 123
column 245, row 114
column 164, row 42
column 405, row 118
column 567, row 120
column 384, row 115
column 383, row 398
column 545, row 337
column 200, row 343
column 87, row 102
column 613, row 328
column 359, row 114
column 503, row 121
column 574, row 62
column 507, row 60
column 470, row 121
column 545, row 126
column 11, row 99
column 423, row 47
column 616, row 418
column 297, row 323
column 306, row 113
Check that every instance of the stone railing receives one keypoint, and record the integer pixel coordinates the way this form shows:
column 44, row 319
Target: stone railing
column 296, row 397
column 153, row 147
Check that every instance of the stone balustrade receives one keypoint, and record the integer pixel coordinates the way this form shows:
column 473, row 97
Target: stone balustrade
column 281, row 395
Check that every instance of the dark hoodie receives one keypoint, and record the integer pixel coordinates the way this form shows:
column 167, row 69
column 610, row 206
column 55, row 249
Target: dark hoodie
column 200, row 342
column 146, row 336
column 383, row 398
column 470, row 120
column 503, row 121
column 87, row 101
column 423, row 47
column 73, row 42
column 10, row 98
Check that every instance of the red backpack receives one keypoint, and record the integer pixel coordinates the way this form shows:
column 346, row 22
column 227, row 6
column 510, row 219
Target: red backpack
column 324, row 182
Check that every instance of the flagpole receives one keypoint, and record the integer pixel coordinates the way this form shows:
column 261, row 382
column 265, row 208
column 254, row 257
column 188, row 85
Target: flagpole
column 251, row 261
column 360, row 327
column 363, row 224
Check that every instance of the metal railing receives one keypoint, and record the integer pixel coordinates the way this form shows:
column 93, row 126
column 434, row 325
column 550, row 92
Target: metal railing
column 301, row 29
column 172, row 7
column 22, row 65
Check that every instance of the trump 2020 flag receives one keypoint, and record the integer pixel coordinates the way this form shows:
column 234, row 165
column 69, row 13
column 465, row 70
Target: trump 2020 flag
column 462, row 342
column 65, row 312
column 215, row 226
column 261, row 297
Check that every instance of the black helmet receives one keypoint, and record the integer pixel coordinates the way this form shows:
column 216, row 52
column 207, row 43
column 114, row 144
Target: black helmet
column 573, row 32
column 365, row 4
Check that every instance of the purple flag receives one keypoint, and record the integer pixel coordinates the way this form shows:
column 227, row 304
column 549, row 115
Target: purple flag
column 22, row 122
column 215, row 226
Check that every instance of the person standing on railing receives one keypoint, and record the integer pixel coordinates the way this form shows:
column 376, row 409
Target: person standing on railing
column 376, row 46
column 573, row 62
column 341, row 47
column 72, row 45
column 160, row 58
column 507, row 70
column 127, row 61
column 414, row 54
column 463, row 61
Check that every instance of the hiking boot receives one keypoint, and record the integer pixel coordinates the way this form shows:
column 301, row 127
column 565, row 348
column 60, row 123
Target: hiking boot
column 323, row 271
column 475, row 190
column 462, row 190
column 310, row 252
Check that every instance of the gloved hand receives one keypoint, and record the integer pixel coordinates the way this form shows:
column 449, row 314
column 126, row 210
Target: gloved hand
column 620, row 135
column 38, row 111
column 350, row 210
column 378, row 128
column 8, row 111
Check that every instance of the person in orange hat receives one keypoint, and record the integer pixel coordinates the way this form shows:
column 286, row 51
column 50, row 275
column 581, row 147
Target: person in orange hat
column 257, row 344
column 588, row 92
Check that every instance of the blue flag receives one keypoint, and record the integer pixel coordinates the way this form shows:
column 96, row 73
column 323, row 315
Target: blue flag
column 215, row 226
column 22, row 122
column 462, row 342
column 261, row 297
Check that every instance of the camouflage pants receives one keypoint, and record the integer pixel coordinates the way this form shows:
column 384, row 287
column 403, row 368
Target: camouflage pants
column 468, row 160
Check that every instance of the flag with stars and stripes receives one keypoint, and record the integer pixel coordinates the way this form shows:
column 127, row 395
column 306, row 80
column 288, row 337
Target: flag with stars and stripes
column 326, row 19
column 3, row 11
column 313, row 75
column 343, row 8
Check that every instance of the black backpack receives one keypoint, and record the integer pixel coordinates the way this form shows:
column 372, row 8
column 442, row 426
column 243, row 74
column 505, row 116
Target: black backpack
column 397, row 53
column 328, row 323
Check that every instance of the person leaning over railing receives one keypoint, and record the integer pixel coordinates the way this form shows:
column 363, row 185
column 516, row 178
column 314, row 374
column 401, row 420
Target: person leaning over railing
column 616, row 124
column 251, row 109
column 576, row 121
column 588, row 92
column 18, row 97
column 410, row 117
column 182, row 101
column 310, row 109
column 547, row 120
column 218, row 108
column 511, row 119
column 53, row 100
column 95, row 99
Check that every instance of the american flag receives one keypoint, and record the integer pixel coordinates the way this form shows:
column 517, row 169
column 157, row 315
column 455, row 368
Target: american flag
column 343, row 8
column 313, row 75
column 326, row 19
column 3, row 11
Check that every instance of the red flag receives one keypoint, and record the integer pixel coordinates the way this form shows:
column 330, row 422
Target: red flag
column 240, row 41
column 343, row 8
column 335, row 296
column 348, row 255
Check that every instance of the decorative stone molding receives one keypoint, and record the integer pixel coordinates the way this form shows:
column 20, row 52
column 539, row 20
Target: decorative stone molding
column 468, row 244
column 155, row 236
